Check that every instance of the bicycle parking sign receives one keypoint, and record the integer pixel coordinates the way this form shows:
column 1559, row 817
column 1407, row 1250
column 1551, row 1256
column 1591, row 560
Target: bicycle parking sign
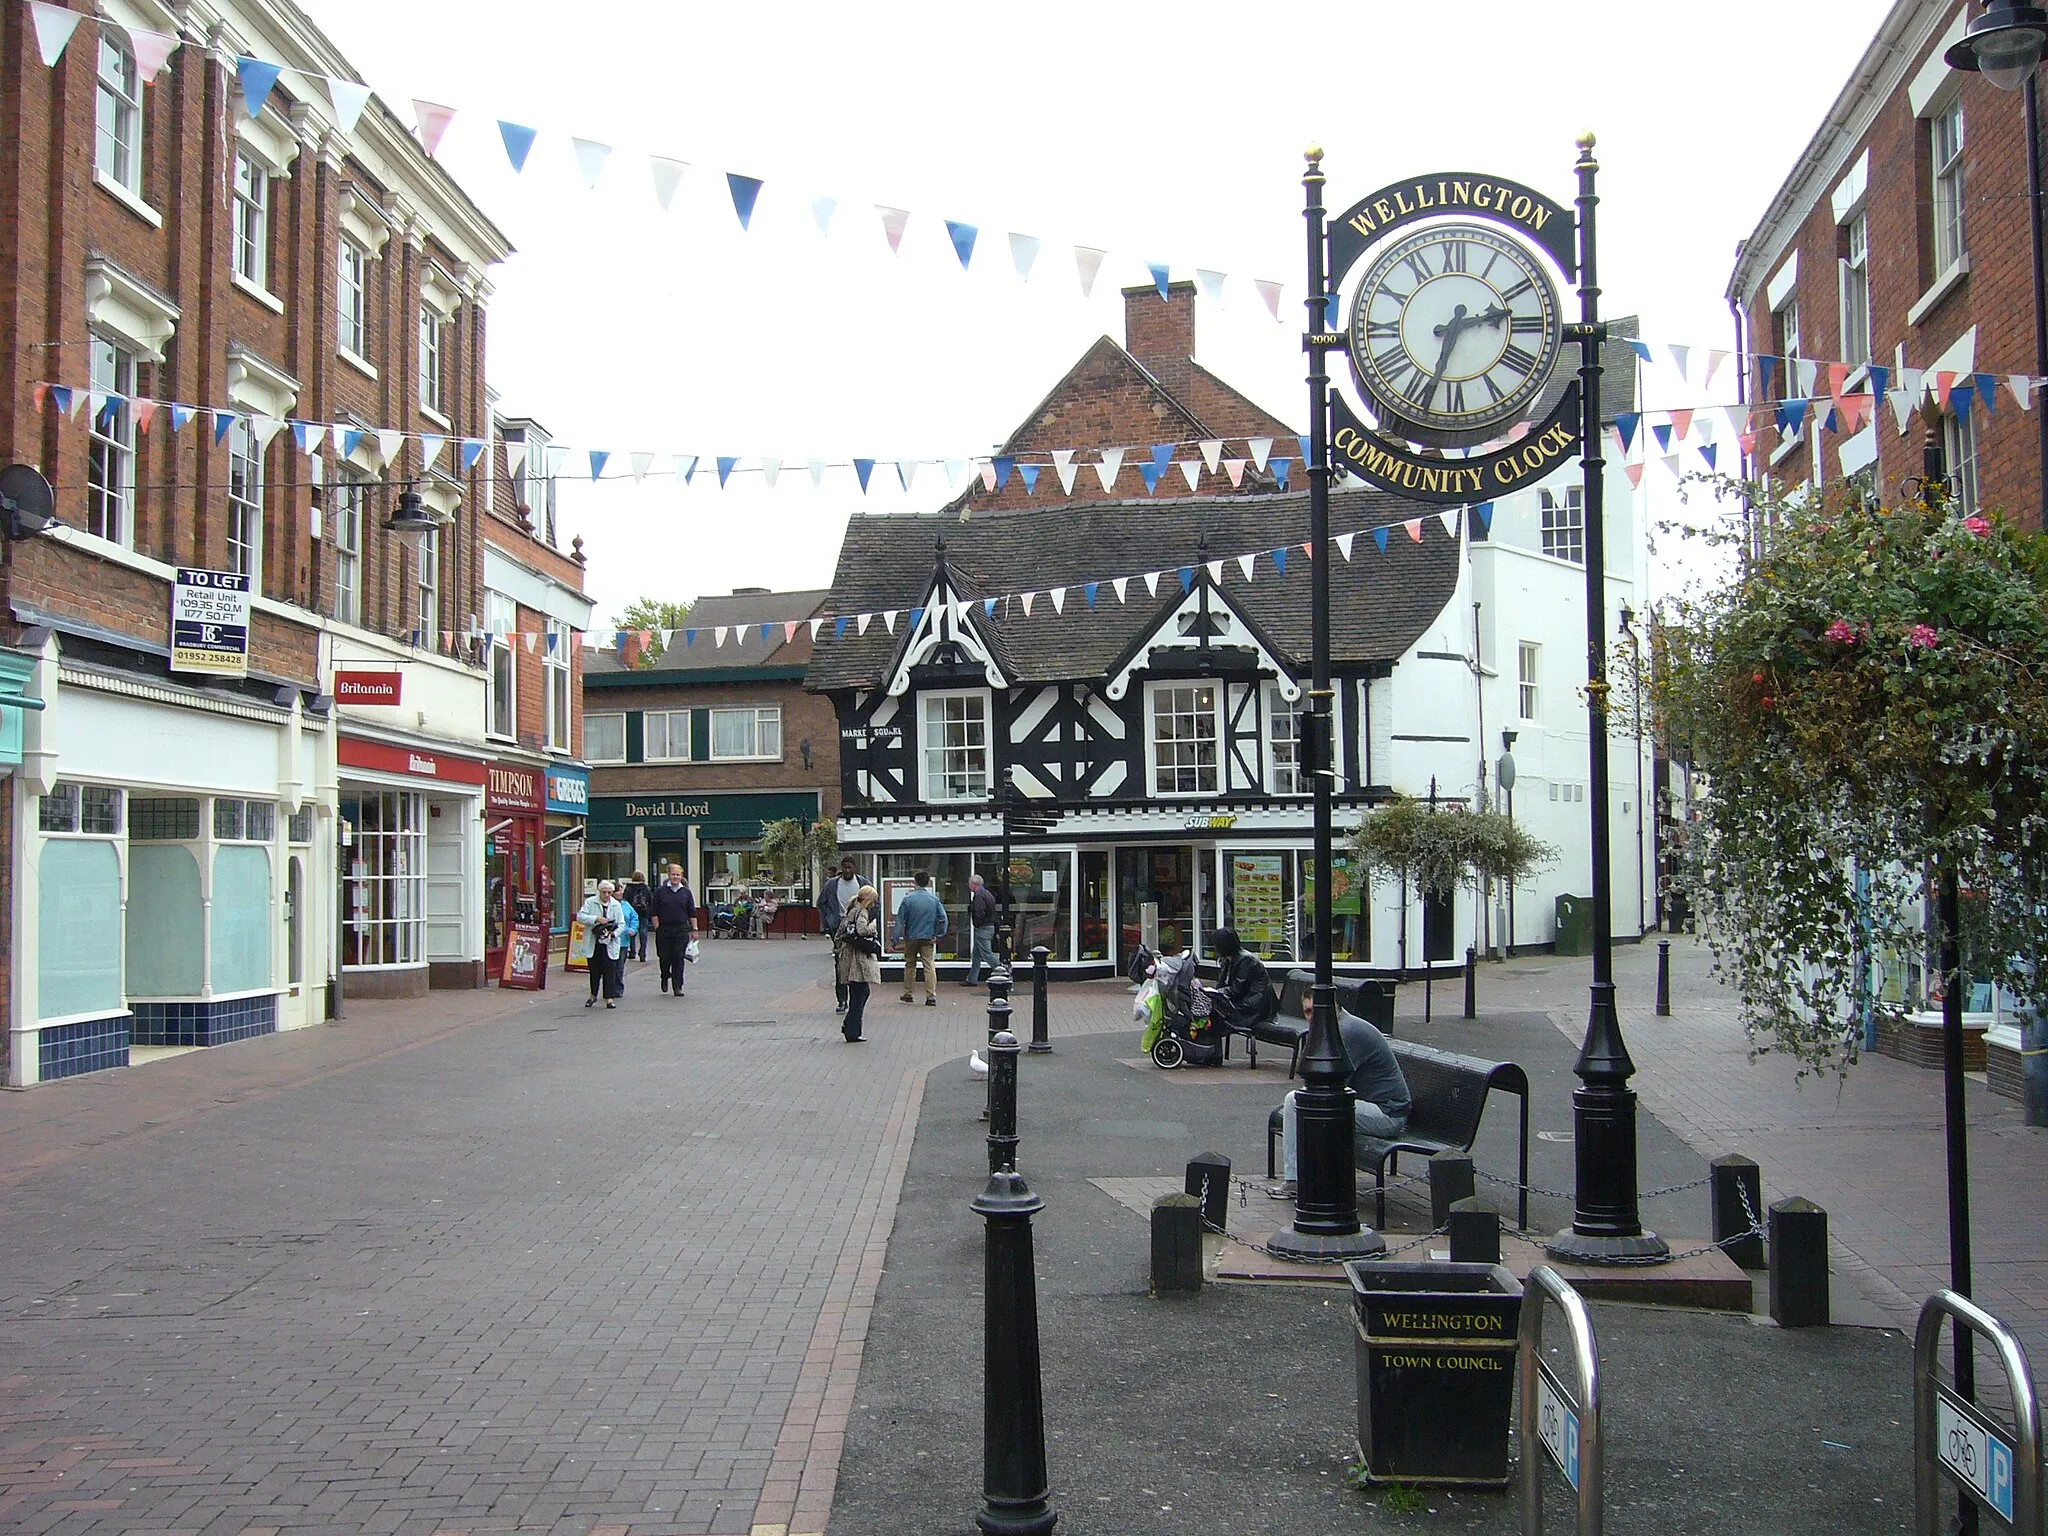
column 1558, row 1426
column 1973, row 1453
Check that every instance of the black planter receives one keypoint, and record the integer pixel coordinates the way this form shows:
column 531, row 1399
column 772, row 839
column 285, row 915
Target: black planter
column 1436, row 1370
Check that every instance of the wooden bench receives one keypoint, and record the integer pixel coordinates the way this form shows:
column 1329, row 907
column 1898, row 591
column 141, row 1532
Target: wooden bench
column 1371, row 1000
column 1447, row 1096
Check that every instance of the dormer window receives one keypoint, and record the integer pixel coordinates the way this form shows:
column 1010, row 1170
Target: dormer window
column 956, row 746
column 1183, row 739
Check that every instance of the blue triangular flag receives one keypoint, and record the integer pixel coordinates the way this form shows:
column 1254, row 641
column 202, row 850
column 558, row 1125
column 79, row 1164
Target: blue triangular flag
column 1484, row 512
column 1960, row 399
column 916, row 618
column 1187, row 577
column 1640, row 348
column 351, row 440
column 744, row 190
column 1279, row 466
column 689, row 637
column 1880, row 378
column 1004, row 463
column 863, row 468
column 518, row 143
column 1088, row 591
column 1709, row 451
column 222, row 421
column 1158, row 271
column 60, row 396
column 1832, row 423
column 725, row 468
column 472, row 450
column 1307, row 452
column 302, row 434
column 257, row 79
column 1792, row 415
column 963, row 241
column 110, row 405
column 1767, row 370
column 764, row 630
column 988, row 607
column 1162, row 454
column 1626, row 422
column 1379, row 537
column 1987, row 390
column 598, row 458
column 1151, row 472
column 1028, row 473
column 1663, row 431
column 839, row 627
column 1279, row 559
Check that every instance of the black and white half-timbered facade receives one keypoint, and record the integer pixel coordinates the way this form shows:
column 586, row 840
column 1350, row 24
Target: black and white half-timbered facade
column 1137, row 669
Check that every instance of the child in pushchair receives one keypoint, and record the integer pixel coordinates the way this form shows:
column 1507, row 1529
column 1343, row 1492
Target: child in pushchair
column 1178, row 1027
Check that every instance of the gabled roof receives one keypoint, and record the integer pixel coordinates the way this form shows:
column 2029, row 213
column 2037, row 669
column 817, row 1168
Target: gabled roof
column 1380, row 604
column 745, row 610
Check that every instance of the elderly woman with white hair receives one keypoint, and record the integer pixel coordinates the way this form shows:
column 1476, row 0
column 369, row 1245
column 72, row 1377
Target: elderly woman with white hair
column 603, row 917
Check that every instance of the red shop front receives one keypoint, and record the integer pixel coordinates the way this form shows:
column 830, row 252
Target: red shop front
column 515, row 893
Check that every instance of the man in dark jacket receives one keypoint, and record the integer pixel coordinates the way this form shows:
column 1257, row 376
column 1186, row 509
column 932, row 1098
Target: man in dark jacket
column 675, row 923
column 981, row 923
column 833, row 902
column 637, row 896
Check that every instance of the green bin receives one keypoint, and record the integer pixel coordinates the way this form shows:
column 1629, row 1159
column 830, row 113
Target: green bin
column 1575, row 925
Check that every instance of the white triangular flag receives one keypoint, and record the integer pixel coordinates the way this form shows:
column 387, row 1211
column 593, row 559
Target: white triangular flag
column 1270, row 292
column 686, row 466
column 770, row 468
column 1027, row 599
column 1067, row 472
column 1913, row 381
column 1450, row 520
column 1215, row 569
column 153, row 50
column 431, row 444
column 718, row 637
column 389, row 443
column 1212, row 452
column 822, row 209
column 1715, row 358
column 863, row 621
column 816, row 625
column 2022, row 389
column 1902, row 406
column 1023, row 252
column 642, row 462
column 558, row 460
column 1212, row 283
column 1245, row 564
column 668, row 175
column 817, row 469
column 956, row 470
column 316, row 434
column 515, row 454
column 1152, row 582
column 1260, row 447
column 1122, row 585
column 590, row 159
column 1344, row 544
column 1106, row 471
column 1680, row 355
column 906, row 471
column 1087, row 262
column 889, row 620
column 1190, row 471
column 54, row 26
column 1059, row 599
column 349, row 98
column 1235, row 469
column 265, row 428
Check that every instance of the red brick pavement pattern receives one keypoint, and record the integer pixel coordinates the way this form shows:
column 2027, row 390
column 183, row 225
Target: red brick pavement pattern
column 1869, row 1149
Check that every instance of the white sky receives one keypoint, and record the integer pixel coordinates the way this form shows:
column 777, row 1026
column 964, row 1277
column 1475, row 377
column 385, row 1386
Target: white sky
column 1160, row 132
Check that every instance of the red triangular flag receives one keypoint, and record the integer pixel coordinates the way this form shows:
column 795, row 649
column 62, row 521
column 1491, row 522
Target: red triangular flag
column 433, row 120
column 1634, row 473
column 1681, row 423
column 1838, row 375
column 1414, row 527
column 1943, row 383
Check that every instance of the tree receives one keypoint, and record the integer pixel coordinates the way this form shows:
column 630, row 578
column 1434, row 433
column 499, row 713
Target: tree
column 1868, row 698
column 651, row 616
column 793, row 850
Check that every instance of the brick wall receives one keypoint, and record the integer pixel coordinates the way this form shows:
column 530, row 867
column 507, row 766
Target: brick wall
column 805, row 717
column 1997, row 296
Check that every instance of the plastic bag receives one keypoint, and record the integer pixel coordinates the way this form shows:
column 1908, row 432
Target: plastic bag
column 690, row 950
column 1150, row 1010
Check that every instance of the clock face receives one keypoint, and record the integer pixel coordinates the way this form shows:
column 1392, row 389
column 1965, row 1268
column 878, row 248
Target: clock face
column 1454, row 333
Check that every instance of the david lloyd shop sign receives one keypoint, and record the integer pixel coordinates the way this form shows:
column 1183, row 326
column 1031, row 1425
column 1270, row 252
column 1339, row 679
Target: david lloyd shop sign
column 210, row 623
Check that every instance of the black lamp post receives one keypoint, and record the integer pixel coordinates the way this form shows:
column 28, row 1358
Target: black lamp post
column 1606, row 1225
column 1635, row 686
column 1326, row 1221
column 1504, row 776
column 2004, row 44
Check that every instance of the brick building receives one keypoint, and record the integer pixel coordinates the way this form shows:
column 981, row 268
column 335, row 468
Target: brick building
column 233, row 342
column 1899, row 242
column 690, row 756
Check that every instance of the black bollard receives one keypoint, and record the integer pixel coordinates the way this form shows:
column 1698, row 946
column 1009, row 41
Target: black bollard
column 998, row 1023
column 1471, row 982
column 1041, row 1039
column 1734, row 1179
column 1208, row 1178
column 1450, row 1180
column 1002, row 1101
column 1176, row 1243
column 1799, row 1264
column 1663, row 978
column 1475, row 1232
column 1014, row 1495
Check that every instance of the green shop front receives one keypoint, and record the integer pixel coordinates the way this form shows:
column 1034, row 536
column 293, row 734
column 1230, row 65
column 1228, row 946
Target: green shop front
column 715, row 837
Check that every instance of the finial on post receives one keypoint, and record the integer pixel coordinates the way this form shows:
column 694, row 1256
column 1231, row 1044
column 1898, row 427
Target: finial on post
column 1313, row 154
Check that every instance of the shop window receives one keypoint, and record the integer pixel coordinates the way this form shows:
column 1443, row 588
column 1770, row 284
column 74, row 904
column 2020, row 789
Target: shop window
column 753, row 734
column 1183, row 739
column 956, row 746
column 90, row 810
column 234, row 821
column 1350, row 911
column 385, row 889
column 163, row 819
column 79, row 949
column 1439, row 913
column 241, row 919
column 166, row 945
column 1259, row 901
column 604, row 738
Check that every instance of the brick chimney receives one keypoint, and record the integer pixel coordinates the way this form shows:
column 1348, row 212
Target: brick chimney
column 1160, row 333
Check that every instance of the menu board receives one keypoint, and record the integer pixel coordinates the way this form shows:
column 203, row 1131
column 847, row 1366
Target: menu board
column 1259, row 898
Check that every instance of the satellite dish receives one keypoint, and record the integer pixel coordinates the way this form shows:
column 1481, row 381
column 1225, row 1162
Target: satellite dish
column 27, row 501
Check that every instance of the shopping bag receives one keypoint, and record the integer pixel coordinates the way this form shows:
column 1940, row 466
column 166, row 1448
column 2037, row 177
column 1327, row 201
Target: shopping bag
column 578, row 960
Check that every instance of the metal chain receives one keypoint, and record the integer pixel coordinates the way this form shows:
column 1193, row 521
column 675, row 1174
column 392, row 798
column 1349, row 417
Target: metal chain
column 1316, row 1258
column 1560, row 1194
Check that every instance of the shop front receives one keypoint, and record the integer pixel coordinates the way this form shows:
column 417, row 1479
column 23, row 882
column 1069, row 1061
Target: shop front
column 412, row 820
column 561, row 875
column 514, row 810
column 715, row 837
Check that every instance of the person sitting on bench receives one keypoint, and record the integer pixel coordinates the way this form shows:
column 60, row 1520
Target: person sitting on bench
column 1382, row 1105
column 1243, row 992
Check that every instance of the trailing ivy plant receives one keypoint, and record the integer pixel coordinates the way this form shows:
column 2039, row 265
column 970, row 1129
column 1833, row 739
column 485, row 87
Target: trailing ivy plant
column 1867, row 697
column 1437, row 850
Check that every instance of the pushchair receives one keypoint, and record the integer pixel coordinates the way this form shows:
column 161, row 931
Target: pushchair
column 1179, row 1030
column 725, row 921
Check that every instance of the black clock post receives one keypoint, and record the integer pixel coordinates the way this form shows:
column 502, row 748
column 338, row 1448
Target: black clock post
column 1606, row 1224
column 1326, row 1224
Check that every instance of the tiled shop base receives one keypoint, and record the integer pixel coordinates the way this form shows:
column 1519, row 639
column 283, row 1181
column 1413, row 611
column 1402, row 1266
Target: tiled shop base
column 211, row 1023
column 91, row 1045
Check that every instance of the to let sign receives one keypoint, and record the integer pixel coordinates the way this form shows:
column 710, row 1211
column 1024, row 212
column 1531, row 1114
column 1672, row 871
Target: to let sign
column 210, row 623
column 367, row 687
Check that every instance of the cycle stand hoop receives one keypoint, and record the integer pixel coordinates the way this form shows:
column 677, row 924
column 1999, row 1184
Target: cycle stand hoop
column 1552, row 1418
column 1998, row 1467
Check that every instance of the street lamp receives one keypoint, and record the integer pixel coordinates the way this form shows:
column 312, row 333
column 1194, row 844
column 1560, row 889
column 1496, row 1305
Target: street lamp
column 1504, row 776
column 2004, row 44
column 1635, row 654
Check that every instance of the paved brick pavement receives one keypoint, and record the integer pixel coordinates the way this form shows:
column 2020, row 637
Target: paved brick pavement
column 1869, row 1149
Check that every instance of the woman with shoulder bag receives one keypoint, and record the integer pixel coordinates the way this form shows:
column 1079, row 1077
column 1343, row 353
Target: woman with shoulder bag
column 858, row 949
column 604, row 921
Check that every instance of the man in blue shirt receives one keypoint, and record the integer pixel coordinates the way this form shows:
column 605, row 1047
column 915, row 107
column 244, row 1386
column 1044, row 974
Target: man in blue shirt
column 921, row 923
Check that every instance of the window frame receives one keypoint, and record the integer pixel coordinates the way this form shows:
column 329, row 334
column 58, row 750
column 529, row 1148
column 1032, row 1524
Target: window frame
column 251, row 236
column 111, row 795
column 590, row 754
column 110, row 458
column 121, row 98
column 1561, row 524
column 1960, row 449
column 498, row 608
column 1946, row 188
column 558, row 675
column 351, row 497
column 1853, row 287
column 668, row 719
column 1214, row 740
column 352, row 302
column 431, row 354
column 762, row 713
column 245, row 502
column 426, row 577
column 1280, row 774
column 931, row 778
column 1528, row 680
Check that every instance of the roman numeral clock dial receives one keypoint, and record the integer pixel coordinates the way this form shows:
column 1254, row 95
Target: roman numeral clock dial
column 1454, row 333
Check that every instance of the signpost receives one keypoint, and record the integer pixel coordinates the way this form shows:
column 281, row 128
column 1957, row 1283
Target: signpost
column 1996, row 1468
column 210, row 623
column 1563, row 1419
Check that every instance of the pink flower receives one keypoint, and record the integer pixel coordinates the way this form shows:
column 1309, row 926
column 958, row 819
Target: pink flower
column 1977, row 525
column 1841, row 632
column 1922, row 637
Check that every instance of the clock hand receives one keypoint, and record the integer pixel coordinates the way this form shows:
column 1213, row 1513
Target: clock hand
column 1449, row 331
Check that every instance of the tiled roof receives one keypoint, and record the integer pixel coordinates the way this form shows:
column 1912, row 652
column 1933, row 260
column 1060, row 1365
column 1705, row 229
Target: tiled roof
column 1380, row 604
column 748, row 610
